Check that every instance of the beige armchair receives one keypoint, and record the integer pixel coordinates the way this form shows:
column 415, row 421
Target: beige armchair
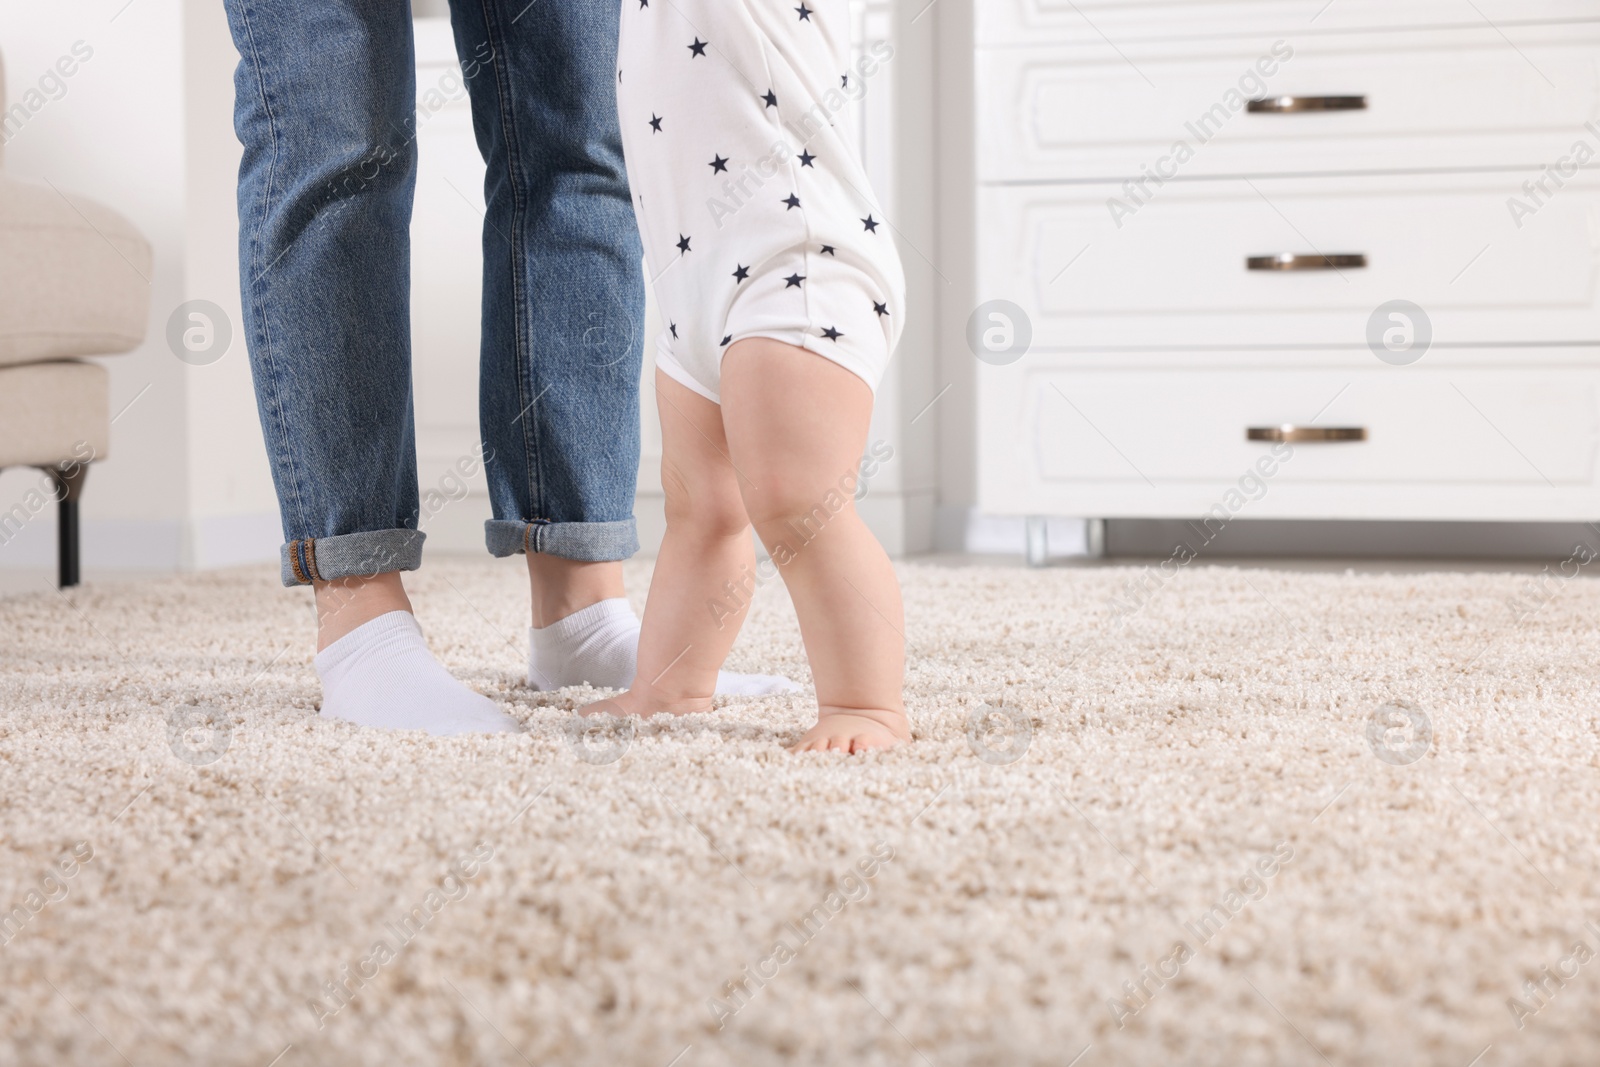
column 74, row 282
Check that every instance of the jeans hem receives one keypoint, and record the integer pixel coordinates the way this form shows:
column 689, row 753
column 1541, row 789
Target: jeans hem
column 362, row 555
column 586, row 542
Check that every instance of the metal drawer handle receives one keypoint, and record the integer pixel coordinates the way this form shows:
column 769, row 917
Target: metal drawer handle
column 1298, row 435
column 1292, row 261
column 1295, row 105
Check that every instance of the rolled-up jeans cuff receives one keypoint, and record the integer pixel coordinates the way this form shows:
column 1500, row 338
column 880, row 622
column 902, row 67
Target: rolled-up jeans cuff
column 587, row 542
column 363, row 555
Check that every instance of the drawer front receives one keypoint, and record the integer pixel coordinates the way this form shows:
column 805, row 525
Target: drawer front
column 1175, row 272
column 1466, row 101
column 1448, row 441
column 1098, row 23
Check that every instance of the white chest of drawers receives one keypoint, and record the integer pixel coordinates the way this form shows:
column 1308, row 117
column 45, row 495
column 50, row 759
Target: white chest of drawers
column 1439, row 152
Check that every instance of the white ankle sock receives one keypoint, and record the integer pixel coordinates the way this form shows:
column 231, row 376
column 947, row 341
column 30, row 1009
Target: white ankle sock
column 753, row 685
column 599, row 646
column 381, row 674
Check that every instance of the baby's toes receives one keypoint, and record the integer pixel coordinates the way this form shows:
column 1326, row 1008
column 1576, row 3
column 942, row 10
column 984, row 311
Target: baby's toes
column 867, row 743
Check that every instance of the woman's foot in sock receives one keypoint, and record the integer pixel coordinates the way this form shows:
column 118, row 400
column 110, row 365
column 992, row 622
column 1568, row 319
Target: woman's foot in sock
column 599, row 646
column 382, row 675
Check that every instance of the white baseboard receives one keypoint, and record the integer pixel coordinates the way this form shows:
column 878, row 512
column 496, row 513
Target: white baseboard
column 457, row 528
column 234, row 540
column 970, row 531
column 150, row 544
column 902, row 522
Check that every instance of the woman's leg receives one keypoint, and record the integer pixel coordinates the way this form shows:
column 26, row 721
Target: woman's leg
column 347, row 604
column 563, row 294
column 691, row 619
column 325, row 109
column 563, row 304
column 796, row 426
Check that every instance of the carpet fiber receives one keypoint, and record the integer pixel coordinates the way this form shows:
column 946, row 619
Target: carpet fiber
column 1235, row 817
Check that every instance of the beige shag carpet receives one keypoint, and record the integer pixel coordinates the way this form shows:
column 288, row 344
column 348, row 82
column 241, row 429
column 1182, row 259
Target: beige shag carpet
column 1240, row 817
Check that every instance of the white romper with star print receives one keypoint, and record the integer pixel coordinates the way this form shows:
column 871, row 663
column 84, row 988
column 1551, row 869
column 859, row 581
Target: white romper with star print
column 754, row 207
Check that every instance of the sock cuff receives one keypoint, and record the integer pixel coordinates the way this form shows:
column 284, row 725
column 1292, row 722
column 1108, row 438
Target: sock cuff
column 582, row 620
column 385, row 625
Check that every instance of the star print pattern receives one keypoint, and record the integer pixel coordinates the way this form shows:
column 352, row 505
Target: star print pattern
column 750, row 191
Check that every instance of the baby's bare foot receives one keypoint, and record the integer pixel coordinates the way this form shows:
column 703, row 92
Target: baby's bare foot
column 644, row 705
column 854, row 730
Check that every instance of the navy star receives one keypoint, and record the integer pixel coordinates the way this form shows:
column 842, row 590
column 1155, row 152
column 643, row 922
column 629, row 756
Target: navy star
column 655, row 122
column 698, row 48
column 845, row 79
column 794, row 281
column 793, row 201
column 683, row 243
column 741, row 274
column 643, row 4
column 805, row 159
column 771, row 98
column 728, row 340
column 719, row 165
column 832, row 334
column 870, row 223
column 828, row 250
column 881, row 309
column 674, row 329
column 805, row 13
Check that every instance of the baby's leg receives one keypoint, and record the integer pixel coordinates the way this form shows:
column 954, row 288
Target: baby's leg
column 796, row 426
column 690, row 617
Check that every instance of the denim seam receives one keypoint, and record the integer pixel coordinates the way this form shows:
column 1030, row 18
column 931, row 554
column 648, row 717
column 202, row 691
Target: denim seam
column 268, row 354
column 311, row 560
column 525, row 387
column 294, row 563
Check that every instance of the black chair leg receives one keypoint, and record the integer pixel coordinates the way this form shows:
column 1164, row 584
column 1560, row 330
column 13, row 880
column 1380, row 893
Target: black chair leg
column 69, row 487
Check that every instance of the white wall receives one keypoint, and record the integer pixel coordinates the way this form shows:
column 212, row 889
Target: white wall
column 232, row 511
column 145, row 128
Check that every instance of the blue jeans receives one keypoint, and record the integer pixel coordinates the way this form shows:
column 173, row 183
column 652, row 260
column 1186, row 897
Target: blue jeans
column 326, row 112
